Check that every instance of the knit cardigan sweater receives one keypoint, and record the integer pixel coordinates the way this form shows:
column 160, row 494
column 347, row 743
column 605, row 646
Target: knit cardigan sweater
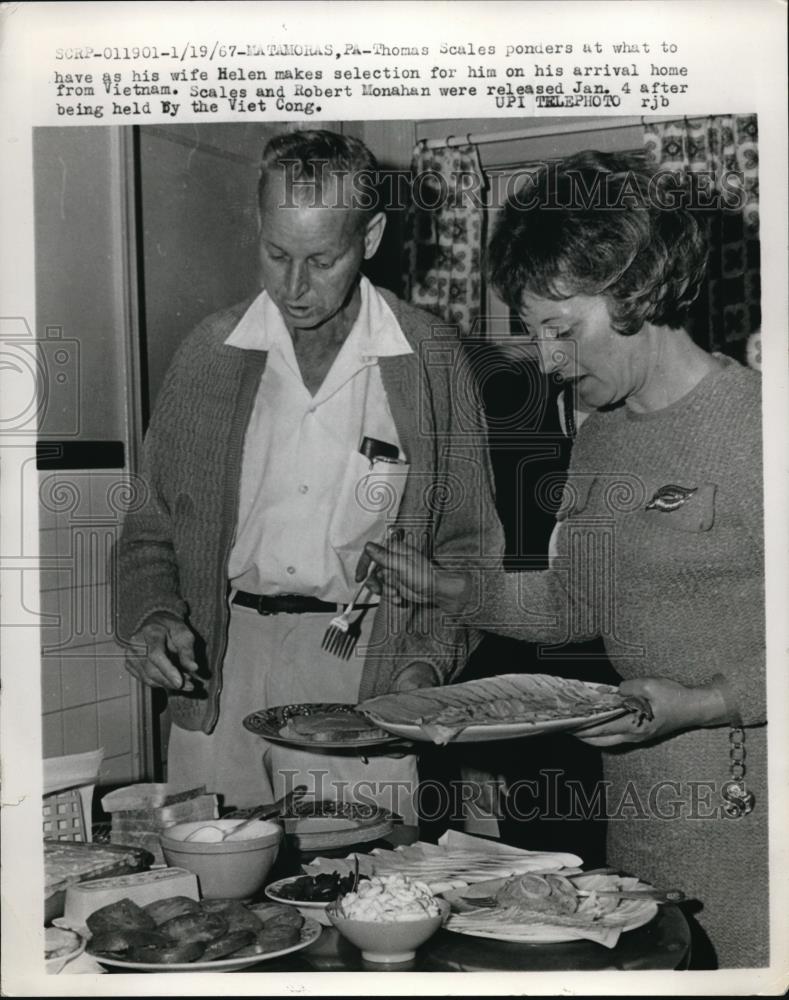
column 174, row 549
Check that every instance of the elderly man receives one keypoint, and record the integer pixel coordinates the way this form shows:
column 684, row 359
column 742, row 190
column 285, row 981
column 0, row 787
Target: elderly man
column 256, row 514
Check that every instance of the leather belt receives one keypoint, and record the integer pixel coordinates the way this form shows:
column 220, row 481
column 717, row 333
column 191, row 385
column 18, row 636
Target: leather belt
column 287, row 604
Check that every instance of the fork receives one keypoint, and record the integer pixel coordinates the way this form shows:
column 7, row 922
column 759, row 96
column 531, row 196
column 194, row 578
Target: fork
column 342, row 634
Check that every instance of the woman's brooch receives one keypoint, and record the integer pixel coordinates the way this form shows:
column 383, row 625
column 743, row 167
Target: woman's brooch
column 670, row 497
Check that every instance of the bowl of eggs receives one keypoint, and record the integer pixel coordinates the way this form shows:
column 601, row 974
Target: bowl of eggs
column 227, row 866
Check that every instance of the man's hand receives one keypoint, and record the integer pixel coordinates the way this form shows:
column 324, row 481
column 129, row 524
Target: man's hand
column 169, row 659
column 674, row 707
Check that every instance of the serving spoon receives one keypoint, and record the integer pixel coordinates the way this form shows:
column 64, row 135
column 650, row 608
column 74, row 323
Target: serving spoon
column 277, row 808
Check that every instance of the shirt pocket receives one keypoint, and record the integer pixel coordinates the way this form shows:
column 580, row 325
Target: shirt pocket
column 367, row 502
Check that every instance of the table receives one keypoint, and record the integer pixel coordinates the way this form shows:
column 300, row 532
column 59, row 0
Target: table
column 662, row 944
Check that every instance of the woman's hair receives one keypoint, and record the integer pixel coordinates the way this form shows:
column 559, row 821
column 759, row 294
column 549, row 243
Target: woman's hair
column 600, row 224
column 311, row 158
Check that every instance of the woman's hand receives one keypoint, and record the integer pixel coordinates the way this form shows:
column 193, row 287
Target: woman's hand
column 404, row 575
column 674, row 708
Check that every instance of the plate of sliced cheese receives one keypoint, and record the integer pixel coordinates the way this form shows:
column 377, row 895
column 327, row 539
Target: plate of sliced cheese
column 457, row 860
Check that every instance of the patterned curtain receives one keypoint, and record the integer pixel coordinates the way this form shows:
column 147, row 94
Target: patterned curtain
column 726, row 148
column 444, row 234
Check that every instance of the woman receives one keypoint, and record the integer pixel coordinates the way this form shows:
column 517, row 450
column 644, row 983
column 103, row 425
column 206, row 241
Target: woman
column 660, row 548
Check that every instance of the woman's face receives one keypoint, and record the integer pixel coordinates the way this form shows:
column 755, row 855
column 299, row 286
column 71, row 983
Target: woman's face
column 576, row 340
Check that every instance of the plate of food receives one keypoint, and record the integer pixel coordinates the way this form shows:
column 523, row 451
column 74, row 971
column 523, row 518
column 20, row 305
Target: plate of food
column 457, row 860
column 495, row 708
column 552, row 908
column 68, row 862
column 320, row 727
column 179, row 934
column 311, row 894
column 61, row 946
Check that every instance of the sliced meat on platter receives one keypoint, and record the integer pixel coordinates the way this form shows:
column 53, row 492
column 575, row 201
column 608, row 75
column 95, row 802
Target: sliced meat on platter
column 529, row 699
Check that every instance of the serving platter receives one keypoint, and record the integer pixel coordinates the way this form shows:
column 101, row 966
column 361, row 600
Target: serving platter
column 498, row 924
column 322, row 833
column 444, row 866
column 269, row 722
column 494, row 708
column 310, row 932
column 67, row 863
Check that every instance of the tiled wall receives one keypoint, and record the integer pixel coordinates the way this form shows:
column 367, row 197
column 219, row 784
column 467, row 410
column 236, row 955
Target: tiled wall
column 88, row 699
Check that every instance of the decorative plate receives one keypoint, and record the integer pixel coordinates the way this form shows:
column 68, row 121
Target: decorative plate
column 269, row 723
column 310, row 932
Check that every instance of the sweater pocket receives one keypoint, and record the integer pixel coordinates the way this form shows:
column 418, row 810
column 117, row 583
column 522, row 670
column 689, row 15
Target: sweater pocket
column 677, row 507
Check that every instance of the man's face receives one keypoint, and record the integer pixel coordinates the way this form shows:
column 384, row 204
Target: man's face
column 310, row 255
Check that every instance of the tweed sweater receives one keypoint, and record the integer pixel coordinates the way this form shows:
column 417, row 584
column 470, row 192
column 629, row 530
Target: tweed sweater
column 174, row 549
column 675, row 593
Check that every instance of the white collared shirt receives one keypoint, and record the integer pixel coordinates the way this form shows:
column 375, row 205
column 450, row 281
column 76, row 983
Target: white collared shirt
column 303, row 517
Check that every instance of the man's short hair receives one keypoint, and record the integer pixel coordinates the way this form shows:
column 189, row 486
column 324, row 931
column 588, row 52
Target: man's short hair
column 594, row 224
column 311, row 159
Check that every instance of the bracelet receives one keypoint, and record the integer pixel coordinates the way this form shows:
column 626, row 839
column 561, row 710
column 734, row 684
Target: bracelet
column 737, row 800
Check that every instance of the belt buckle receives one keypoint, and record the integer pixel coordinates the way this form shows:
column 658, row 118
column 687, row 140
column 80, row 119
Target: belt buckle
column 260, row 609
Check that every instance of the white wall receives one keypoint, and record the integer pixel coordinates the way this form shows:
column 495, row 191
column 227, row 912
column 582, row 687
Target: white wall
column 82, row 291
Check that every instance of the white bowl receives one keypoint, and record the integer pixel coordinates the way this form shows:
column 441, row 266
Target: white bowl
column 388, row 941
column 230, row 869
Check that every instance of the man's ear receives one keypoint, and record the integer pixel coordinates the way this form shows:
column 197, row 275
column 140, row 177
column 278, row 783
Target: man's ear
column 373, row 234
